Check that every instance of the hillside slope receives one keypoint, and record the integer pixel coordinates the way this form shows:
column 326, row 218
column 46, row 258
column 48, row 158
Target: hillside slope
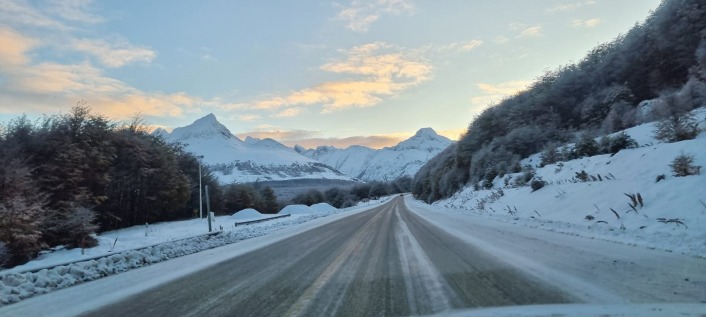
column 672, row 216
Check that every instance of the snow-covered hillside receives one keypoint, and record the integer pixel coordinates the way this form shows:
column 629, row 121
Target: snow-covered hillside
column 234, row 160
column 387, row 164
column 671, row 215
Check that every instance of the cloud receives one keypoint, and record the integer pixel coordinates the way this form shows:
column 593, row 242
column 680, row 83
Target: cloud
column 373, row 141
column 249, row 117
column 461, row 46
column 589, row 23
column 570, row 6
column 532, row 31
column 117, row 53
column 501, row 40
column 361, row 14
column 14, row 48
column 289, row 112
column 312, row 139
column 284, row 136
column 493, row 94
column 453, row 134
column 47, row 86
column 23, row 14
column 373, row 71
column 74, row 10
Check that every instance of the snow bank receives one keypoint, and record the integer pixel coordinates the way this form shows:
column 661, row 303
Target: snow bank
column 296, row 210
column 247, row 214
column 672, row 216
column 323, row 207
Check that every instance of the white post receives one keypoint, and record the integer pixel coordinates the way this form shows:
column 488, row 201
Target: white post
column 200, row 157
column 200, row 202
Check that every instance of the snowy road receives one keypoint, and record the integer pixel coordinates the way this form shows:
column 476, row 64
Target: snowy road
column 385, row 261
column 389, row 260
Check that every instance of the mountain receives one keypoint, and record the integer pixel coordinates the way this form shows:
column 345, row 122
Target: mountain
column 252, row 160
column 387, row 164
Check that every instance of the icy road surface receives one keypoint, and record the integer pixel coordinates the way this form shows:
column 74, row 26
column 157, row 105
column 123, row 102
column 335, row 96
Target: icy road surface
column 391, row 260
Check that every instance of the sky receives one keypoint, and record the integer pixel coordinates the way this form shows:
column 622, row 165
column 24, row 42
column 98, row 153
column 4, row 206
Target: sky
column 310, row 72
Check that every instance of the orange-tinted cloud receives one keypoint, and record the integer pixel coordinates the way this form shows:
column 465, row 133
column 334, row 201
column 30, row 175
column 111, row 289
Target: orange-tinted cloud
column 50, row 87
column 313, row 139
column 453, row 134
column 14, row 47
column 377, row 74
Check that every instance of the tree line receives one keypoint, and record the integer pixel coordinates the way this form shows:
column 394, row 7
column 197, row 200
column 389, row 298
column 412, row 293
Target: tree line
column 347, row 197
column 662, row 58
column 64, row 178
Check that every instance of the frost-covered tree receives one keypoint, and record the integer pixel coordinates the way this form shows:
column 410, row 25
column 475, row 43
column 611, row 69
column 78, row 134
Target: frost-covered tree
column 679, row 123
column 22, row 208
column 5, row 255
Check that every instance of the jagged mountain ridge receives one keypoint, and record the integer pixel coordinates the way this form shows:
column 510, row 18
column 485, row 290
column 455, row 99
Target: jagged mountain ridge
column 387, row 164
column 252, row 160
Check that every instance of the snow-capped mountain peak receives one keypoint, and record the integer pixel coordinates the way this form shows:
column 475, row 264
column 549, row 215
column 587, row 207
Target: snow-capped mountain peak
column 233, row 160
column 426, row 139
column 205, row 127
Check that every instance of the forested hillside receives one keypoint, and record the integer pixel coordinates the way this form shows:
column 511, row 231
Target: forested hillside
column 662, row 58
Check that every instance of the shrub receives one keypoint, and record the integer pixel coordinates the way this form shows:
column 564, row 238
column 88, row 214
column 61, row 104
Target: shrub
column 523, row 179
column 587, row 146
column 582, row 176
column 679, row 123
column 682, row 165
column 677, row 128
column 489, row 177
column 619, row 142
column 550, row 156
column 537, row 184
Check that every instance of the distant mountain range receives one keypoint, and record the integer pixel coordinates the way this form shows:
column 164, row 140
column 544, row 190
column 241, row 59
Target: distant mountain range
column 252, row 159
column 387, row 164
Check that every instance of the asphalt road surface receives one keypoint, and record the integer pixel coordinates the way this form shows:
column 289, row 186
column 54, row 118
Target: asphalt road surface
column 386, row 261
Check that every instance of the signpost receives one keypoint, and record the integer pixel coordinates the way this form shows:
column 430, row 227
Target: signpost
column 208, row 209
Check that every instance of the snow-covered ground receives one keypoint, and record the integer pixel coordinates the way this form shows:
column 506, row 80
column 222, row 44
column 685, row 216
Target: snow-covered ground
column 673, row 217
column 125, row 249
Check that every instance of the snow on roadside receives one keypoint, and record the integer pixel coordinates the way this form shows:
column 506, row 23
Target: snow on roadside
column 136, row 249
column 673, row 217
column 248, row 214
